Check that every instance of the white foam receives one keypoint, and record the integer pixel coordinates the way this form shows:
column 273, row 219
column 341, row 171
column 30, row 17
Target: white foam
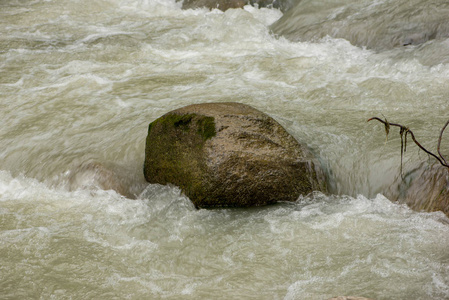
column 81, row 93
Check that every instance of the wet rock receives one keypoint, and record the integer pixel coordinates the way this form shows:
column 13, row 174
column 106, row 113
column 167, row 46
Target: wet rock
column 424, row 188
column 95, row 175
column 227, row 4
column 380, row 26
column 211, row 4
column 229, row 155
column 417, row 38
column 349, row 298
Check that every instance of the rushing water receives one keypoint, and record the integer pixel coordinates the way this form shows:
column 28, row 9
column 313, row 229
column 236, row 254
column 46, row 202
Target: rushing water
column 80, row 82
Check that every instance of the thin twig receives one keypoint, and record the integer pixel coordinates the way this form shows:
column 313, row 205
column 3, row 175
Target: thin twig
column 408, row 131
column 439, row 142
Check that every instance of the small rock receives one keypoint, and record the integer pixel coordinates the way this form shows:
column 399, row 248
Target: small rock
column 227, row 4
column 424, row 188
column 95, row 175
column 349, row 298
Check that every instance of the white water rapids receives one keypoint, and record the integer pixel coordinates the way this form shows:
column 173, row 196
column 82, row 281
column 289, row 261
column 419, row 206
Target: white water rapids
column 80, row 81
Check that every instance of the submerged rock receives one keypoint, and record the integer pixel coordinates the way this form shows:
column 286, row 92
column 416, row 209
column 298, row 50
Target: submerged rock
column 211, row 4
column 227, row 4
column 425, row 188
column 349, row 298
column 379, row 26
column 96, row 175
column 229, row 155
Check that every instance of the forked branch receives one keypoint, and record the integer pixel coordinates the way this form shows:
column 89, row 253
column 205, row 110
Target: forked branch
column 403, row 131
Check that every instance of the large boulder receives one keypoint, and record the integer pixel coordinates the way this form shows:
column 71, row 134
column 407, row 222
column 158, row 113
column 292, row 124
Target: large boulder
column 424, row 188
column 229, row 155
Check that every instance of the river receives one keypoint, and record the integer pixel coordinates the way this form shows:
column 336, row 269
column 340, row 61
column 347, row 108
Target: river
column 82, row 79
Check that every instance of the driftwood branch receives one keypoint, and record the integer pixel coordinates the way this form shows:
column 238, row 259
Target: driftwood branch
column 404, row 131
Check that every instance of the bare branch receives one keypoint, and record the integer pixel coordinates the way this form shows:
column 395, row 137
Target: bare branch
column 406, row 130
column 439, row 142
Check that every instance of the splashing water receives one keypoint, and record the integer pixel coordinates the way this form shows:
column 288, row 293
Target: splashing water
column 81, row 81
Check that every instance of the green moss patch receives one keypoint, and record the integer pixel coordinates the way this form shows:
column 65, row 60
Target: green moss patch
column 174, row 151
column 176, row 121
column 206, row 127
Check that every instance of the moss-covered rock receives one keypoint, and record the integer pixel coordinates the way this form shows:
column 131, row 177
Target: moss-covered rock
column 229, row 155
